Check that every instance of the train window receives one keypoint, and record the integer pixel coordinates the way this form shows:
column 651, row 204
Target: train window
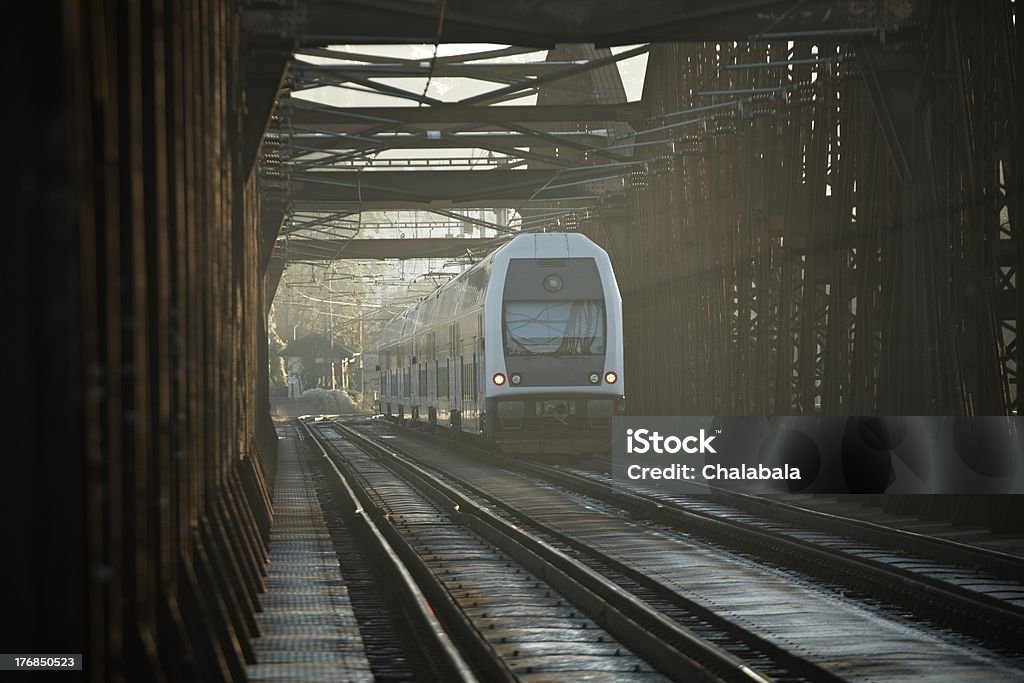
column 474, row 286
column 446, row 379
column 426, row 311
column 462, row 378
column 554, row 328
column 449, row 302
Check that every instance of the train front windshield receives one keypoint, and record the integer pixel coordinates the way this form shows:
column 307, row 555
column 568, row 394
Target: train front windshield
column 554, row 328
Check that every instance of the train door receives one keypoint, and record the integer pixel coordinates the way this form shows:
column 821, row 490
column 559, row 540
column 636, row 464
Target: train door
column 400, row 391
column 457, row 402
column 479, row 378
column 447, row 405
column 413, row 389
column 433, row 393
column 430, row 372
column 455, row 390
column 392, row 392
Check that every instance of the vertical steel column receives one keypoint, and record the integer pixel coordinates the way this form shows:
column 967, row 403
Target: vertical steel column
column 179, row 446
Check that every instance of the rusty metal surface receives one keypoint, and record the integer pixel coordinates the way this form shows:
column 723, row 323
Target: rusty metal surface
column 178, row 445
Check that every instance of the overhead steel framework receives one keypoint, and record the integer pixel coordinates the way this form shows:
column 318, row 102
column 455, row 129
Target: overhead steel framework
column 386, row 189
column 320, row 163
column 320, row 160
column 828, row 226
column 304, row 114
column 308, row 249
column 547, row 23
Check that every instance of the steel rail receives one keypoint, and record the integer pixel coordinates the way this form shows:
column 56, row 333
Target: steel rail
column 990, row 616
column 452, row 661
column 666, row 644
column 977, row 614
column 795, row 663
column 943, row 549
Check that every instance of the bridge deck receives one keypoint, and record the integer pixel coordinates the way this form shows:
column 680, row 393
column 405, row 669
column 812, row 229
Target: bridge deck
column 308, row 629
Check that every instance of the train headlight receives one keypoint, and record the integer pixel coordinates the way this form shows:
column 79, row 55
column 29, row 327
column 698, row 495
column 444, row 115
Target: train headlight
column 498, row 379
column 594, row 378
column 610, row 377
column 516, row 378
column 553, row 283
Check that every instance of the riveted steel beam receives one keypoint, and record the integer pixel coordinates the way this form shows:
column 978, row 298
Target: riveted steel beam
column 307, row 249
column 307, row 115
column 545, row 24
column 402, row 189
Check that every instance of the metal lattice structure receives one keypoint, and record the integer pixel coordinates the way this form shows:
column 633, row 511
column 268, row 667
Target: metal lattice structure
column 829, row 226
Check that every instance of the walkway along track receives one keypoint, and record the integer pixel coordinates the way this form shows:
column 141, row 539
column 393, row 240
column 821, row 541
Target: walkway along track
column 444, row 658
column 846, row 634
column 439, row 541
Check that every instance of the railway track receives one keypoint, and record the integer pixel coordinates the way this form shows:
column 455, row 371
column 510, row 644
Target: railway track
column 947, row 551
column 522, row 606
column 867, row 603
column 988, row 583
column 414, row 647
column 980, row 603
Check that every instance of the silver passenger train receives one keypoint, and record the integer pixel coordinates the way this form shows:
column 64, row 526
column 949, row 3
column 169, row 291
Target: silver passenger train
column 523, row 350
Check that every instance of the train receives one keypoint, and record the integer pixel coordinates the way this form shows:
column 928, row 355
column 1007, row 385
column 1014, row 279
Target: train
column 522, row 351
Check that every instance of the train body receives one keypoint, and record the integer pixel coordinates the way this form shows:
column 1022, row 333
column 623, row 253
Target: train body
column 523, row 349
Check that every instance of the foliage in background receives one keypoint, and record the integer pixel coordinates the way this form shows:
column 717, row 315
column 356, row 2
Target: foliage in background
column 330, row 400
column 278, row 372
